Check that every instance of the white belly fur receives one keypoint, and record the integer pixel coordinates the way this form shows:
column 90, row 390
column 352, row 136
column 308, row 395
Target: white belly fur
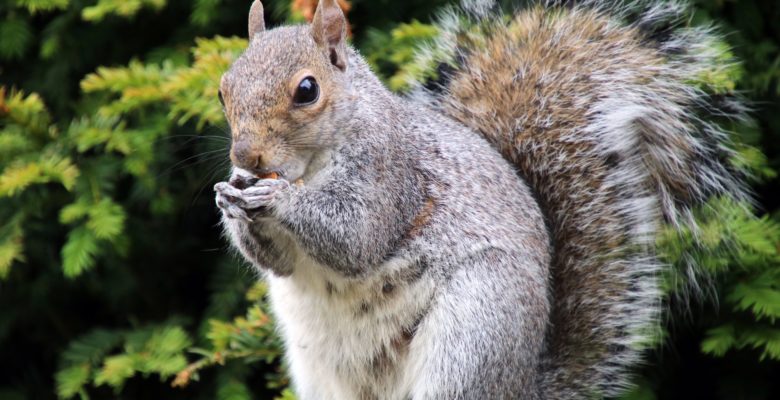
column 332, row 345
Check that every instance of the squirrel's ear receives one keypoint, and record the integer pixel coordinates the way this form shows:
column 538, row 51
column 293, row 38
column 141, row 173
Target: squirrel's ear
column 330, row 31
column 256, row 21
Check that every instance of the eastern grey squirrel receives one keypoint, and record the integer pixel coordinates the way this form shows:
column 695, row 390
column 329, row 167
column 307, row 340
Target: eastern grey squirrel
column 491, row 235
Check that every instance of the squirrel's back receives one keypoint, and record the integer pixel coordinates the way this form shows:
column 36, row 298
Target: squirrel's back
column 601, row 107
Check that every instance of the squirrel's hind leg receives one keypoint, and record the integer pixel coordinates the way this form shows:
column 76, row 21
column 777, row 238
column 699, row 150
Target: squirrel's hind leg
column 483, row 336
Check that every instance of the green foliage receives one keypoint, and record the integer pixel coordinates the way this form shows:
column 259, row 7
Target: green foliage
column 731, row 237
column 759, row 50
column 125, row 8
column 94, row 359
column 139, row 105
column 79, row 252
column 71, row 381
column 30, row 159
column 730, row 240
column 186, row 91
column 248, row 338
column 108, row 227
column 723, row 75
column 99, row 172
column 204, row 11
column 11, row 239
column 190, row 91
column 48, row 168
column 393, row 53
column 34, row 6
column 16, row 36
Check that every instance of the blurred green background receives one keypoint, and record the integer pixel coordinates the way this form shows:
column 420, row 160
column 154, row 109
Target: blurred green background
column 115, row 282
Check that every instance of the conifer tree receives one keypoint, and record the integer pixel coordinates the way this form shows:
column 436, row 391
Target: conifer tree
column 113, row 277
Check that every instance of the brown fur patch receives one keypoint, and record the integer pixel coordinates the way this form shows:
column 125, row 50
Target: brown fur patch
column 422, row 218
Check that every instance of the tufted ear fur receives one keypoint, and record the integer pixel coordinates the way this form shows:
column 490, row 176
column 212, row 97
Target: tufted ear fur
column 256, row 21
column 329, row 28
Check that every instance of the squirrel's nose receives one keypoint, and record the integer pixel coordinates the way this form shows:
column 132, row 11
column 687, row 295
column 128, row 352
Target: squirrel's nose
column 246, row 156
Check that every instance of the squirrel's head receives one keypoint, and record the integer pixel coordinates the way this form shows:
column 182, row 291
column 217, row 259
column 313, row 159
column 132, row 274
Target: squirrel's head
column 283, row 96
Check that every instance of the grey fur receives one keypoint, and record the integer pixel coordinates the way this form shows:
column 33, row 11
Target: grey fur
column 407, row 259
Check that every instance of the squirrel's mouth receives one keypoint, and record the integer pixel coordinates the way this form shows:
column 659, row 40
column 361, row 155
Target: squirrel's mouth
column 249, row 178
column 266, row 173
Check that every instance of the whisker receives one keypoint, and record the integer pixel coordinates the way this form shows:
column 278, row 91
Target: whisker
column 210, row 177
column 212, row 154
column 191, row 138
column 224, row 129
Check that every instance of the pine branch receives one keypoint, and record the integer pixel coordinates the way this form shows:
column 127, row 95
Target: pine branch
column 123, row 8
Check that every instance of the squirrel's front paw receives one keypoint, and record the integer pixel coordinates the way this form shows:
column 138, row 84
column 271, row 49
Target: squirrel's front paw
column 248, row 203
column 229, row 201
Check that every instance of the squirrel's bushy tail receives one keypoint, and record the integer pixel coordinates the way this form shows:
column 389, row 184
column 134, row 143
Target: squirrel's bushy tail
column 604, row 109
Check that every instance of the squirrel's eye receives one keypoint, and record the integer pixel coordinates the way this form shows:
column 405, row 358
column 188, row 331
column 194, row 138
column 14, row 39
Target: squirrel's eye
column 221, row 100
column 307, row 92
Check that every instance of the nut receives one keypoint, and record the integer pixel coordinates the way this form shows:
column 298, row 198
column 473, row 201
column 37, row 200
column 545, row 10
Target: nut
column 270, row 175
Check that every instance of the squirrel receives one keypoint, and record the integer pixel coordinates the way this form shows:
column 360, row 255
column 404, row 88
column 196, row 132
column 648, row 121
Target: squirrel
column 490, row 234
